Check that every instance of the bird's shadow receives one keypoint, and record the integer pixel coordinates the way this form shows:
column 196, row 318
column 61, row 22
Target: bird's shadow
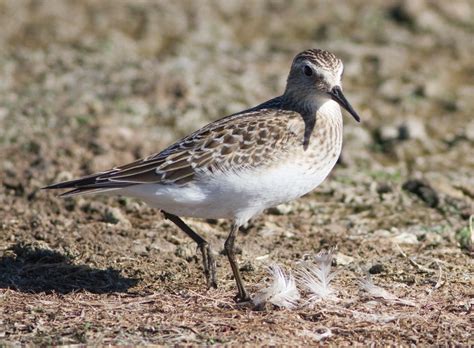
column 33, row 269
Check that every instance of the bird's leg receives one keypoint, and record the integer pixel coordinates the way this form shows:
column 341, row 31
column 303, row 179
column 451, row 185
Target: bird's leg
column 207, row 258
column 229, row 248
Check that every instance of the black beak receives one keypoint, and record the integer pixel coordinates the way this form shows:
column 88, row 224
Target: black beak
column 337, row 96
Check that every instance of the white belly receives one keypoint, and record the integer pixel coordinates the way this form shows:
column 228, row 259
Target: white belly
column 238, row 196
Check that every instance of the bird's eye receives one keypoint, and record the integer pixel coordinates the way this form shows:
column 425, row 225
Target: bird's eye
column 307, row 70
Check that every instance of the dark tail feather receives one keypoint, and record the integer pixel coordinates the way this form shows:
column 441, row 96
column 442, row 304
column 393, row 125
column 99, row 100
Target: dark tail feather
column 87, row 184
column 85, row 191
column 84, row 181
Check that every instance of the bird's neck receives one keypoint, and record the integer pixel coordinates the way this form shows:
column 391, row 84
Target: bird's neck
column 330, row 110
column 311, row 105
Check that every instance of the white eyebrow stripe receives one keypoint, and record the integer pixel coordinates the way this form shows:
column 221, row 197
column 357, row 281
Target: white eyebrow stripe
column 329, row 76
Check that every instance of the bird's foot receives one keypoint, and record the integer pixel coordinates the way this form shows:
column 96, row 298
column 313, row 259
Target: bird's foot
column 244, row 302
column 209, row 265
column 242, row 298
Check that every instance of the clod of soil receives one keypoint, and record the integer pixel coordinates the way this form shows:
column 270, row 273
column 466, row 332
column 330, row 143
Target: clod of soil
column 423, row 190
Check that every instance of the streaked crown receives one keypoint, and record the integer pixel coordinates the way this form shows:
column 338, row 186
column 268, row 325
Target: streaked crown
column 320, row 58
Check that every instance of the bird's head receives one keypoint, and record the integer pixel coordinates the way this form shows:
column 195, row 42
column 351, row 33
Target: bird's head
column 315, row 77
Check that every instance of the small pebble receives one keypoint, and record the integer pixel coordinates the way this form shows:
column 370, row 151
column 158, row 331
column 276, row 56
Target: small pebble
column 343, row 260
column 140, row 249
column 405, row 238
column 114, row 216
column 423, row 190
column 376, row 269
column 383, row 188
column 282, row 209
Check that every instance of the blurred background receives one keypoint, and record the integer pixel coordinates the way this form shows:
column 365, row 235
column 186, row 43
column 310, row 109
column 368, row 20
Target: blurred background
column 87, row 85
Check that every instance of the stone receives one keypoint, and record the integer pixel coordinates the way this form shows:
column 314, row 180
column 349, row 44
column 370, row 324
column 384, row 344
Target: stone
column 343, row 260
column 423, row 190
column 115, row 216
column 405, row 238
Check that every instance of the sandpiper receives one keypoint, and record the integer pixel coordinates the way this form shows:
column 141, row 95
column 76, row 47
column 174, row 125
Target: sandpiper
column 238, row 166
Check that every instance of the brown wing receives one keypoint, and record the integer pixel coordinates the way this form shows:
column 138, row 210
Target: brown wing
column 251, row 139
column 244, row 141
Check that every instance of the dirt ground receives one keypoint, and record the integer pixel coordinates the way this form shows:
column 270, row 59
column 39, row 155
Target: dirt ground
column 87, row 85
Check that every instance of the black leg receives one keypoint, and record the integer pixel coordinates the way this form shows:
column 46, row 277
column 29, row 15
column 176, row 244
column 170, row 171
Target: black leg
column 207, row 257
column 242, row 296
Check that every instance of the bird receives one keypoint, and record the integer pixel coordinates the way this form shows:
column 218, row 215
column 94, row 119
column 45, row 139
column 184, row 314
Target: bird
column 237, row 166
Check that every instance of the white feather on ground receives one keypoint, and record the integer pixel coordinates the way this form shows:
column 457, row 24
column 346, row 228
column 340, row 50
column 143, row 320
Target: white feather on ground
column 375, row 291
column 316, row 277
column 314, row 335
column 282, row 292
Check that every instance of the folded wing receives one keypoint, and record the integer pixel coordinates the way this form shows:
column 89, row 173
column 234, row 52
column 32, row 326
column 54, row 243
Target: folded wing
column 239, row 141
